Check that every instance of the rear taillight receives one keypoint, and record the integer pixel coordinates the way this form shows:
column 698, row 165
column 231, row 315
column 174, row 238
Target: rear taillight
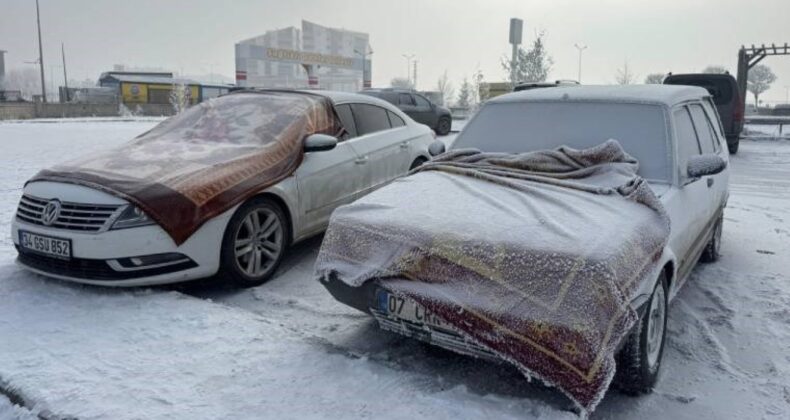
column 739, row 111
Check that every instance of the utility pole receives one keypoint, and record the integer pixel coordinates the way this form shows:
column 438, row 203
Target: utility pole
column 65, row 76
column 516, row 26
column 2, row 67
column 581, row 48
column 41, row 56
column 408, row 58
column 414, row 81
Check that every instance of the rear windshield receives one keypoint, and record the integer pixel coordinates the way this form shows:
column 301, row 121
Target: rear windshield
column 527, row 126
column 720, row 88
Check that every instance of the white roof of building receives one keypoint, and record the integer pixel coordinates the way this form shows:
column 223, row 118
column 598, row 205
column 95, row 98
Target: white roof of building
column 668, row 95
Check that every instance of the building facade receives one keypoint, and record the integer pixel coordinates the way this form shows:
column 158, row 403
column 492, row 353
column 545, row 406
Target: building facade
column 314, row 56
column 135, row 88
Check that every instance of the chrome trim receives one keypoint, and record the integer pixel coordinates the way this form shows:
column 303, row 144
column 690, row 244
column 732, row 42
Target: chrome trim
column 115, row 265
column 79, row 217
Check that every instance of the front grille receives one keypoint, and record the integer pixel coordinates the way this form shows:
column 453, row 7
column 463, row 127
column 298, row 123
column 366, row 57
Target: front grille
column 89, row 269
column 73, row 216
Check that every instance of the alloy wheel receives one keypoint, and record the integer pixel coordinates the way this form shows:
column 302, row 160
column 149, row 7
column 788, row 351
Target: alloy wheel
column 258, row 242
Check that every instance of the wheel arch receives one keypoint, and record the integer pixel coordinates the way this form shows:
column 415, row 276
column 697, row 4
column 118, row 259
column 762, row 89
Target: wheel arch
column 669, row 274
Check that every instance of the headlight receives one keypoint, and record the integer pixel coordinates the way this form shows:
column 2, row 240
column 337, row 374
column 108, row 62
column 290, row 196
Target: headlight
column 131, row 217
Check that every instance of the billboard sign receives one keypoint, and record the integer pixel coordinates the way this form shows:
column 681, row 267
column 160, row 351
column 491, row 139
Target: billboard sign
column 306, row 57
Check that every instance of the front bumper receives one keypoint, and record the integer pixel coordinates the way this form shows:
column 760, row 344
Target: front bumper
column 99, row 270
column 104, row 258
column 365, row 299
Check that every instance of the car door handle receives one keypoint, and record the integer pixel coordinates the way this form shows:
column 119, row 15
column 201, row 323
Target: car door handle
column 361, row 160
column 404, row 145
column 710, row 182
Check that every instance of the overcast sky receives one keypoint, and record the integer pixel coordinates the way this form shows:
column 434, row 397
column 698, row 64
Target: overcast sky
column 196, row 36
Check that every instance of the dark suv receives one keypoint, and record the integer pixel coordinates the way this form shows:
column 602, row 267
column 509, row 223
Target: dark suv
column 418, row 107
column 724, row 90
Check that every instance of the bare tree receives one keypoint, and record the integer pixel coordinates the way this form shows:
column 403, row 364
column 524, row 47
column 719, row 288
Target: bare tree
column 445, row 88
column 180, row 97
column 759, row 80
column 401, row 82
column 25, row 80
column 465, row 94
column 715, row 69
column 654, row 78
column 533, row 65
column 624, row 75
column 479, row 89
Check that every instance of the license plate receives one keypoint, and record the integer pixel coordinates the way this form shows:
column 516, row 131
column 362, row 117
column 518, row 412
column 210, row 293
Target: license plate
column 407, row 309
column 46, row 245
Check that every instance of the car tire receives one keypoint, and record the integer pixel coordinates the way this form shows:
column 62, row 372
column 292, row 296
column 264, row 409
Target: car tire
column 711, row 251
column 732, row 146
column 639, row 361
column 254, row 243
column 417, row 162
column 443, row 126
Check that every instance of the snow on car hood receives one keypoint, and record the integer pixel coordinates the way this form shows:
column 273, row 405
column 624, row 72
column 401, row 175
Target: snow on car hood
column 534, row 256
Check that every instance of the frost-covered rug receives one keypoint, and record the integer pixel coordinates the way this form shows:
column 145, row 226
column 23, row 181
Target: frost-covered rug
column 535, row 256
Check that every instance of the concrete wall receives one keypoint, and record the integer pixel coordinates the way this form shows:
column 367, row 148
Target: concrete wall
column 17, row 111
column 56, row 110
column 151, row 110
column 29, row 110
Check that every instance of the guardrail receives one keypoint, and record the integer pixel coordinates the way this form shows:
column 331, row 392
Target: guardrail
column 780, row 120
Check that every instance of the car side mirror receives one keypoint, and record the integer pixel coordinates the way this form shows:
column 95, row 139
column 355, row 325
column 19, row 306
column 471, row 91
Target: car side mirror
column 704, row 165
column 436, row 148
column 319, row 143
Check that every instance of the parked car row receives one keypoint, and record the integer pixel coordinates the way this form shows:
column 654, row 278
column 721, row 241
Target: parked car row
column 87, row 235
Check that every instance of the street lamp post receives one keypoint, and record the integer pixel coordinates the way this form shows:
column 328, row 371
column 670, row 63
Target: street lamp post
column 581, row 48
column 408, row 58
column 366, row 81
column 41, row 56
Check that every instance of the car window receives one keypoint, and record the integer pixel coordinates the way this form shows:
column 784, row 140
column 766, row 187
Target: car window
column 395, row 120
column 405, row 99
column 370, row 118
column 687, row 142
column 715, row 120
column 702, row 125
column 422, row 102
column 518, row 127
column 347, row 118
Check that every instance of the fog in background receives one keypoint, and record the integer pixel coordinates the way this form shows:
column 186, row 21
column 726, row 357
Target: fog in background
column 197, row 36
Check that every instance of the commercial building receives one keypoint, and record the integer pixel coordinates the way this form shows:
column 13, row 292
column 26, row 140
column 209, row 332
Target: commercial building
column 135, row 88
column 314, row 56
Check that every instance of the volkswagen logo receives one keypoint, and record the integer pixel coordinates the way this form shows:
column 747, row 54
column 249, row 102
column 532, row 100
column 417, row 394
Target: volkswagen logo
column 51, row 212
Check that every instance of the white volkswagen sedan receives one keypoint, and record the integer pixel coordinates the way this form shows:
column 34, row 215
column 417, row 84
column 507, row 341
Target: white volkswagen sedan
column 83, row 234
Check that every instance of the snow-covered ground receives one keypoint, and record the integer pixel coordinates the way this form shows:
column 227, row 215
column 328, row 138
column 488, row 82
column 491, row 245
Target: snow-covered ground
column 288, row 350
